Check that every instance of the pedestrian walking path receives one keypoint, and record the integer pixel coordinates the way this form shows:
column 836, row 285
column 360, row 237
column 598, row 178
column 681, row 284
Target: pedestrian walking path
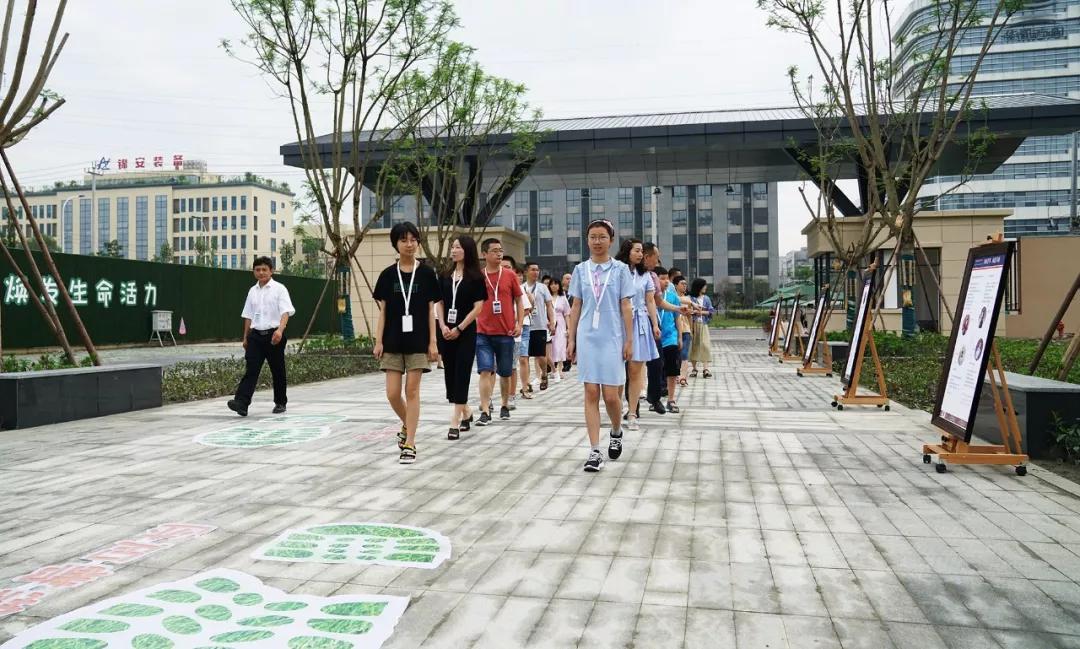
column 756, row 517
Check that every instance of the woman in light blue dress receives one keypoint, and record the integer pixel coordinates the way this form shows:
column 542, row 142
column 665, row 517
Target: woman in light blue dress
column 600, row 338
column 646, row 329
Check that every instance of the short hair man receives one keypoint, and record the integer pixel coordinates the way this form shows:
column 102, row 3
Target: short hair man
column 267, row 310
column 499, row 321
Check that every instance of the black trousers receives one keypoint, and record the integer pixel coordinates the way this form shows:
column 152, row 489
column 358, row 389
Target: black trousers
column 655, row 373
column 260, row 350
column 458, row 356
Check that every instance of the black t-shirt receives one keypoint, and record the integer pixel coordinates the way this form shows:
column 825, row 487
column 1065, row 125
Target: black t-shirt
column 425, row 290
column 469, row 292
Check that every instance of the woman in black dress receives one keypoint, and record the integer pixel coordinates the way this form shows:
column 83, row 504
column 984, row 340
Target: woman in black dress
column 463, row 293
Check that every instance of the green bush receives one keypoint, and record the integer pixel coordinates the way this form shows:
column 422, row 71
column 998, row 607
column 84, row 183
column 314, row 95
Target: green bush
column 218, row 377
column 757, row 315
column 335, row 342
column 1067, row 436
column 44, row 362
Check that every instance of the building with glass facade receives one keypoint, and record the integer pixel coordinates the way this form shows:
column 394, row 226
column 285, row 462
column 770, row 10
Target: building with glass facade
column 726, row 234
column 1038, row 51
column 232, row 220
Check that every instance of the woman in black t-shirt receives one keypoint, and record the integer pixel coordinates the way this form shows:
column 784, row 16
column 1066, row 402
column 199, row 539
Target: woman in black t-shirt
column 405, row 335
column 463, row 293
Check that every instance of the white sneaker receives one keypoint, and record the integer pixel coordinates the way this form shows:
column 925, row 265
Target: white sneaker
column 513, row 404
column 631, row 423
column 557, row 379
column 535, row 383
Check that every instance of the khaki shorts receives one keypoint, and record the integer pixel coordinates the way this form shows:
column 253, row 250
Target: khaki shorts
column 404, row 362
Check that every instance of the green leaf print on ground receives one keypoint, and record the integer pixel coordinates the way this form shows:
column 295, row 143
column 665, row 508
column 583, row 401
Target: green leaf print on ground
column 260, row 435
column 221, row 609
column 359, row 543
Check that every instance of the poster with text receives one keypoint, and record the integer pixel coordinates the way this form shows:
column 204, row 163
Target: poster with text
column 776, row 323
column 855, row 348
column 815, row 328
column 972, row 335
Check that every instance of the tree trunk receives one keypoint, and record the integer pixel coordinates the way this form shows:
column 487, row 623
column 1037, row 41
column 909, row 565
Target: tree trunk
column 47, row 255
column 341, row 273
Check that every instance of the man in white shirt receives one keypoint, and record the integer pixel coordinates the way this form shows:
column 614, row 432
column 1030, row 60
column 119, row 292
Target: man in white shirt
column 543, row 321
column 266, row 312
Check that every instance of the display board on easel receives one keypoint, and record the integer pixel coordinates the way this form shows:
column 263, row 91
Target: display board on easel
column 793, row 333
column 774, row 332
column 861, row 338
column 970, row 352
column 817, row 326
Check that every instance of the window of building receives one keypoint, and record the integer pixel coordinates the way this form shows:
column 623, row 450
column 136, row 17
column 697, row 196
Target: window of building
column 273, row 245
column 224, row 241
column 761, row 216
column 273, row 207
column 234, row 261
column 573, row 245
column 176, row 203
column 545, row 198
column 678, row 192
column 232, row 201
column 243, row 202
column 626, row 222
column 214, row 223
column 255, row 203
column 161, row 221
column 704, row 243
column 761, row 267
column 761, row 241
column 547, row 246
column 734, row 267
column 233, row 242
column 734, row 242
column 273, row 226
column 760, row 191
column 85, row 247
column 104, row 221
column 705, row 267
column 521, row 222
column 142, row 228
column 545, row 223
column 521, row 200
column 243, row 221
column 573, row 198
column 243, row 260
column 734, row 218
column 122, row 224
column 678, row 218
column 597, row 195
column 243, row 242
column 704, row 191
column 678, row 242
column 255, row 222
column 214, row 204
column 233, row 222
column 626, row 198
column 255, row 242
column 704, row 217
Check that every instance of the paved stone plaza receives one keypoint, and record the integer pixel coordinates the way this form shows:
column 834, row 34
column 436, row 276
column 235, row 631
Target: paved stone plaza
column 758, row 517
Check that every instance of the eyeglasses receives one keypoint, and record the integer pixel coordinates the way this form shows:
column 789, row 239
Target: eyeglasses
column 599, row 238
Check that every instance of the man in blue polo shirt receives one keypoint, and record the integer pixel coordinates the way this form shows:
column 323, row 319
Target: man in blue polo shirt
column 669, row 337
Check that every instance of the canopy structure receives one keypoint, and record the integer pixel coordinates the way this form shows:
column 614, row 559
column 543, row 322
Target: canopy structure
column 805, row 290
column 721, row 146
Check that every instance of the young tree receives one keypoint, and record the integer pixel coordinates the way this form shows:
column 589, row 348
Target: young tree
column 340, row 64
column 441, row 154
column 165, row 254
column 893, row 105
column 111, row 249
column 25, row 103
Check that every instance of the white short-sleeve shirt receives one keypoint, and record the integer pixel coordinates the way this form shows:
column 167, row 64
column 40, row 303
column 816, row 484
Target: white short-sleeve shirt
column 265, row 305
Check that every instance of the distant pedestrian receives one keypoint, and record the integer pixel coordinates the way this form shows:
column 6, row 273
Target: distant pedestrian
column 646, row 329
column 558, row 344
column 701, row 349
column 542, row 327
column 266, row 311
column 462, row 298
column 405, row 335
column 600, row 337
column 669, row 337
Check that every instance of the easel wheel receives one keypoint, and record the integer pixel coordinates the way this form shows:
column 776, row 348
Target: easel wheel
column 940, row 467
column 1021, row 470
column 839, row 406
column 833, row 404
column 926, row 458
column 886, row 407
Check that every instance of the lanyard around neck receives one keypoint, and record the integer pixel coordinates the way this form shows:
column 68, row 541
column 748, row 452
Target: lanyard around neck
column 498, row 280
column 407, row 295
column 455, row 281
column 592, row 281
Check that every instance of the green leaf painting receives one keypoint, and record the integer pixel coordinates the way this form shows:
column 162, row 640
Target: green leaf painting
column 275, row 431
column 220, row 608
column 359, row 543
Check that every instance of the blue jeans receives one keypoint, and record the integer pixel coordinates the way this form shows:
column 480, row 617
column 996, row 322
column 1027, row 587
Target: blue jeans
column 523, row 345
column 495, row 354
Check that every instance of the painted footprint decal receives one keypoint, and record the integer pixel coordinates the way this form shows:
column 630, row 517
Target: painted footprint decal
column 218, row 609
column 359, row 543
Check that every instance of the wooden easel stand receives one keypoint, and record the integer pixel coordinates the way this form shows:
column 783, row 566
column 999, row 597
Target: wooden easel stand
column 1010, row 452
column 851, row 396
column 797, row 334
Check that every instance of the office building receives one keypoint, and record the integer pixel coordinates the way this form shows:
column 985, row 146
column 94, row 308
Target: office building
column 1038, row 51
column 228, row 221
column 725, row 234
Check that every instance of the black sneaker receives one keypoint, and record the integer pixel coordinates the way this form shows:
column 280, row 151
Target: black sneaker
column 453, row 433
column 504, row 413
column 484, row 420
column 408, row 455
column 614, row 449
column 595, row 461
column 465, row 424
column 658, row 408
column 237, row 407
column 279, row 409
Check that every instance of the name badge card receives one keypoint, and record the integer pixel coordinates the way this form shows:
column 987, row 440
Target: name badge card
column 496, row 307
column 406, row 324
column 451, row 316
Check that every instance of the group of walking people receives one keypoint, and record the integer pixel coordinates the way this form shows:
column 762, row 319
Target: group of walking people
column 628, row 324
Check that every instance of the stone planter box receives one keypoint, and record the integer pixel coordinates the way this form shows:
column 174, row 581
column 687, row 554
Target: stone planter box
column 52, row 396
column 1034, row 399
column 839, row 350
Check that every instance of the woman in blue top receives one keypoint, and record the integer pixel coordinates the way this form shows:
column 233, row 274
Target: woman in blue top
column 701, row 349
column 601, row 320
column 646, row 329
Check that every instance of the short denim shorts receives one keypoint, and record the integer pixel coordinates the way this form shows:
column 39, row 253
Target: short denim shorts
column 495, row 354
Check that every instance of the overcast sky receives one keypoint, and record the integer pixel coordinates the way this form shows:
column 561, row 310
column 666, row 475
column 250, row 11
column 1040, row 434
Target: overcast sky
column 149, row 78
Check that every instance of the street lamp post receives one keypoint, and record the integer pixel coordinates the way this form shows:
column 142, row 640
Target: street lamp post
column 61, row 239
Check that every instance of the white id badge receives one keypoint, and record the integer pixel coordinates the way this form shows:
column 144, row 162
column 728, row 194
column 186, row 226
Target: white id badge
column 642, row 327
column 496, row 307
column 406, row 324
column 596, row 320
column 451, row 316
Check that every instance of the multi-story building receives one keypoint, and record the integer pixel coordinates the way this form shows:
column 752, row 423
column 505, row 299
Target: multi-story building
column 726, row 234
column 189, row 214
column 1037, row 51
column 791, row 261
